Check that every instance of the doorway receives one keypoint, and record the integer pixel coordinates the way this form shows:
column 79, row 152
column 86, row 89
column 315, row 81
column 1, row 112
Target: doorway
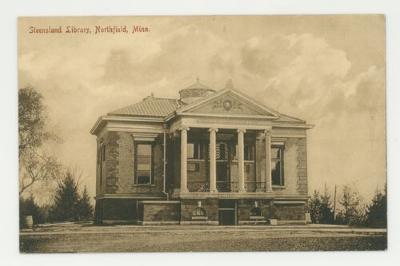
column 227, row 212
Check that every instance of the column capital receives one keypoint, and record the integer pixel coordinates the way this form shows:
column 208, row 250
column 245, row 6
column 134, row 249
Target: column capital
column 268, row 131
column 184, row 128
column 241, row 130
column 213, row 129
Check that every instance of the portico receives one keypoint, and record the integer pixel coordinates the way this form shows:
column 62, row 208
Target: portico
column 229, row 164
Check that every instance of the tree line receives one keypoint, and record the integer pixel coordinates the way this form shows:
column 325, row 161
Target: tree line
column 348, row 209
column 37, row 167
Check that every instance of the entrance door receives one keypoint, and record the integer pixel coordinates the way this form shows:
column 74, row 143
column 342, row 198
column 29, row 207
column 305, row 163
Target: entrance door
column 227, row 212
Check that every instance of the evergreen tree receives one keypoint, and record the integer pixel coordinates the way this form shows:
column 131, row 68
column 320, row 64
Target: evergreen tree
column 66, row 200
column 326, row 212
column 85, row 209
column 377, row 210
column 352, row 212
column 321, row 208
column 315, row 207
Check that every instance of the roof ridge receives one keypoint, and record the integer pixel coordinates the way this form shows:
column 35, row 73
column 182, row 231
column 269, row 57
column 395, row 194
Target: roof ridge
column 149, row 106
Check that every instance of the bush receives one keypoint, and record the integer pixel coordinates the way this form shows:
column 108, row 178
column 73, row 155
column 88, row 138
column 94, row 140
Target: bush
column 28, row 207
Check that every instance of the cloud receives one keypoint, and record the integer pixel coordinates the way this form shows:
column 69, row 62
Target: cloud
column 303, row 75
column 266, row 56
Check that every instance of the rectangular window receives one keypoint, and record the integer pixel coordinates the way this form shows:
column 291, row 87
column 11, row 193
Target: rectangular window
column 277, row 165
column 195, row 150
column 143, row 163
column 249, row 152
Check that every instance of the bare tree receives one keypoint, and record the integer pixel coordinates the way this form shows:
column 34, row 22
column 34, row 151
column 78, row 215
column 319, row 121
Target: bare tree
column 35, row 164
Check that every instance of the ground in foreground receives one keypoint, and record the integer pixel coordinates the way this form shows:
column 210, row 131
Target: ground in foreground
column 85, row 238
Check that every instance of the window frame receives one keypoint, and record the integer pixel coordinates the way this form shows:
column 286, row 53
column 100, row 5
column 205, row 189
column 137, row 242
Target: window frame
column 151, row 176
column 249, row 151
column 198, row 150
column 281, row 147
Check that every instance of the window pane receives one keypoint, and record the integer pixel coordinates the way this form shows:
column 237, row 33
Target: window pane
column 276, row 173
column 249, row 152
column 143, row 178
column 143, row 159
column 277, row 166
column 143, row 162
column 190, row 150
column 275, row 153
column 144, row 149
column 143, row 167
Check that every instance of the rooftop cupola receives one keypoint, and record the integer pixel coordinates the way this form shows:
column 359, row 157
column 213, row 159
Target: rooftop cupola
column 195, row 92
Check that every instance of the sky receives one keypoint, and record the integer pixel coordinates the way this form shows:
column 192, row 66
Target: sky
column 328, row 70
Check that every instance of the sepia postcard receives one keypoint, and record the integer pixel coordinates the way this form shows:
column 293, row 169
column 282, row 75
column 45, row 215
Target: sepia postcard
column 202, row 133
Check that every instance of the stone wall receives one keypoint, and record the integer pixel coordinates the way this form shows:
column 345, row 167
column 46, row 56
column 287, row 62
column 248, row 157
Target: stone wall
column 290, row 211
column 302, row 184
column 116, row 211
column 111, row 162
column 159, row 212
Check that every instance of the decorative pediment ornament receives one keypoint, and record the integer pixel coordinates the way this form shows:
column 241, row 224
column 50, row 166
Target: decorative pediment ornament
column 228, row 101
column 227, row 104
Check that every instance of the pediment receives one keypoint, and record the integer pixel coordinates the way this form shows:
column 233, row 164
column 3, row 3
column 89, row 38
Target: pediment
column 229, row 103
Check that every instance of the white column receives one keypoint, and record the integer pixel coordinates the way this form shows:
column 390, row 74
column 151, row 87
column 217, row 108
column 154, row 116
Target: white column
column 268, row 177
column 184, row 160
column 213, row 160
column 241, row 159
